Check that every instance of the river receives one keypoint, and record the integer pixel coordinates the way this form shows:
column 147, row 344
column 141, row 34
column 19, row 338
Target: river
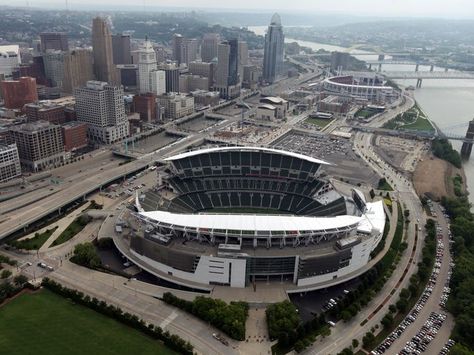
column 446, row 102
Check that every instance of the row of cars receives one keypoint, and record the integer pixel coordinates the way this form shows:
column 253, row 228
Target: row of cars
column 449, row 344
column 410, row 318
column 425, row 335
column 431, row 327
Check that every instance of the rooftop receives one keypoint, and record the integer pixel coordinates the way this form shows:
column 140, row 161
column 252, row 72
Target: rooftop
column 246, row 149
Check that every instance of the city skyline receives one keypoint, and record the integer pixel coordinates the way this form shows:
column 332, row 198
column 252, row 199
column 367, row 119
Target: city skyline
column 386, row 8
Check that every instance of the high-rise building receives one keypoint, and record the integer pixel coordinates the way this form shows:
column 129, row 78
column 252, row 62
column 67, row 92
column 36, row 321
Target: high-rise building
column 53, row 41
column 104, row 67
column 243, row 57
column 40, row 145
column 171, row 77
column 158, row 82
column 54, row 67
column 145, row 105
column 178, row 41
column 190, row 50
column 203, row 69
column 9, row 59
column 189, row 82
column 121, row 49
column 9, row 162
column 78, row 69
column 250, row 77
column 146, row 64
column 273, row 52
column 101, row 106
column 209, row 46
column 18, row 93
column 227, row 78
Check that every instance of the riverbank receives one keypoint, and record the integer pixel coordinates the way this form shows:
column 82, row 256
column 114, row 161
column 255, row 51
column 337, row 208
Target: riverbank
column 433, row 177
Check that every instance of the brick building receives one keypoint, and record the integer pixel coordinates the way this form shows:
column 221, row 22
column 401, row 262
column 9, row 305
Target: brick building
column 45, row 111
column 74, row 135
column 18, row 93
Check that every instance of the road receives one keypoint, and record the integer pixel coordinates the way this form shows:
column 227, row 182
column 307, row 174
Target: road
column 342, row 335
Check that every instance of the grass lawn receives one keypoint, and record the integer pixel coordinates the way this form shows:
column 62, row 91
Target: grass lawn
column 34, row 243
column 45, row 323
column 421, row 124
column 75, row 227
column 320, row 122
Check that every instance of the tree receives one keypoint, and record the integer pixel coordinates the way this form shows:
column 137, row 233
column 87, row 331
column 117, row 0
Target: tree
column 406, row 213
column 402, row 304
column 392, row 308
column 85, row 254
column 372, row 194
column 20, row 280
column 355, row 343
column 368, row 339
column 387, row 320
column 5, row 274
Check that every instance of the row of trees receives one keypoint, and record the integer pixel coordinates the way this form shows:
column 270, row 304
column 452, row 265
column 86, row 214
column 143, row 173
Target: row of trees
column 442, row 149
column 230, row 318
column 172, row 341
column 374, row 279
column 9, row 289
column 461, row 300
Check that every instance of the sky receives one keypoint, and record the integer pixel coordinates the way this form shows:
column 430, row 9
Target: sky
column 387, row 8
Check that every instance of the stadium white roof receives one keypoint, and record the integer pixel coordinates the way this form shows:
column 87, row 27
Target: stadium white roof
column 246, row 149
column 374, row 217
column 257, row 222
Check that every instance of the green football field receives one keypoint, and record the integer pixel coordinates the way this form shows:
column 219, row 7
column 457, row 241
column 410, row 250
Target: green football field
column 45, row 323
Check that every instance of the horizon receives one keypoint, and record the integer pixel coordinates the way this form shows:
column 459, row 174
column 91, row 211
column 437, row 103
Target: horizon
column 419, row 9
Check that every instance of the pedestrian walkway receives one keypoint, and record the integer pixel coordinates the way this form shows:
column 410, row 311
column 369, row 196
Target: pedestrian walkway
column 62, row 224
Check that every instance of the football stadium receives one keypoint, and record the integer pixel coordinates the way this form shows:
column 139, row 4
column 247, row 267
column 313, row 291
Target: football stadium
column 235, row 216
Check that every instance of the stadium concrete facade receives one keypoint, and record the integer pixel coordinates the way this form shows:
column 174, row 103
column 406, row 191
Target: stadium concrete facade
column 234, row 216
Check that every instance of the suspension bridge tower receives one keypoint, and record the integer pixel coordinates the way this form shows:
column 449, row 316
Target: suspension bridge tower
column 467, row 146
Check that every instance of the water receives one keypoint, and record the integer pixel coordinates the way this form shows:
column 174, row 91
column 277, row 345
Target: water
column 446, row 102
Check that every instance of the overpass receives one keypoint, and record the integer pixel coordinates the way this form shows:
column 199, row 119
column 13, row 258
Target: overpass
column 420, row 75
column 21, row 218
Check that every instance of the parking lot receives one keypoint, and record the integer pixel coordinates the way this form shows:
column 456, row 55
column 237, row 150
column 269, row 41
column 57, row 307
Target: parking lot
column 337, row 151
column 407, row 338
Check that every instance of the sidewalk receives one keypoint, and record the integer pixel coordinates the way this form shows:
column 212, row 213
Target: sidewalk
column 62, row 224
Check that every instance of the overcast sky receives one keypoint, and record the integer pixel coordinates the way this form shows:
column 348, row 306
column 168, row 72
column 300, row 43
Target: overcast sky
column 396, row 8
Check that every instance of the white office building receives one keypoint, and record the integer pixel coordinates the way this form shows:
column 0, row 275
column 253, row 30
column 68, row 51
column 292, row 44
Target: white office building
column 9, row 59
column 9, row 162
column 158, row 82
column 146, row 64
column 101, row 106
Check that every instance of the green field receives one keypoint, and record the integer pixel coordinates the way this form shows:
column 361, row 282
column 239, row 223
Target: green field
column 75, row 227
column 421, row 124
column 246, row 210
column 45, row 323
column 33, row 243
column 320, row 122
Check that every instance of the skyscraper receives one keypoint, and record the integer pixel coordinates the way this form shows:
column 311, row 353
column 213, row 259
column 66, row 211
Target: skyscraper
column 227, row 78
column 146, row 64
column 177, row 48
column 101, row 106
column 121, row 49
column 273, row 54
column 78, row 69
column 54, row 40
column 104, row 67
column 209, row 47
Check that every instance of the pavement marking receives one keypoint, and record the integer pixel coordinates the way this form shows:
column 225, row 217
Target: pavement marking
column 168, row 320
